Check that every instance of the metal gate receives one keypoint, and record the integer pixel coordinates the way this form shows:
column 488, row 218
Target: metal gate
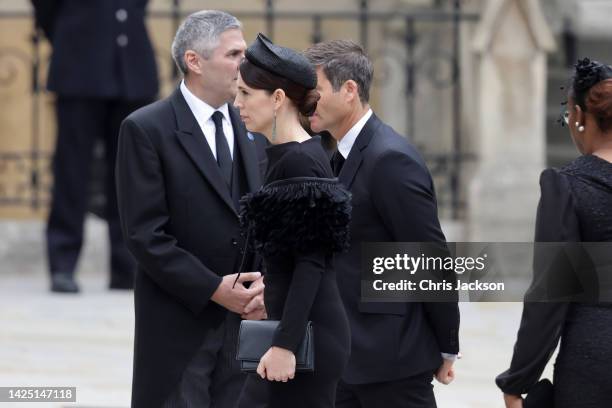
column 443, row 70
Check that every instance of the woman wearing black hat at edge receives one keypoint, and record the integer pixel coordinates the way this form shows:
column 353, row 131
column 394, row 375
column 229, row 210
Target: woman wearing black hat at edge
column 576, row 206
column 296, row 221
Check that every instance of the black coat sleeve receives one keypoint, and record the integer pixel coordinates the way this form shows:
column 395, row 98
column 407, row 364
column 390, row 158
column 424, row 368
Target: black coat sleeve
column 144, row 219
column 542, row 323
column 45, row 15
column 404, row 197
column 307, row 274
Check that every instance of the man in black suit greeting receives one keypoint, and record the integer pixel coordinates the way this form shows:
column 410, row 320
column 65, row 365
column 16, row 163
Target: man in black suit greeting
column 396, row 347
column 183, row 164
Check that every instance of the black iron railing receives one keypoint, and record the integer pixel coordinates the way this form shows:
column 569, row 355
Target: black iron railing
column 441, row 68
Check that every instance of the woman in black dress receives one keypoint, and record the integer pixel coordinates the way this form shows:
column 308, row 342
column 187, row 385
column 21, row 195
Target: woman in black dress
column 296, row 221
column 576, row 206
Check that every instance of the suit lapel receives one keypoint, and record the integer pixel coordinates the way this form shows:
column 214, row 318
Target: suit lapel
column 247, row 150
column 193, row 141
column 348, row 171
column 355, row 157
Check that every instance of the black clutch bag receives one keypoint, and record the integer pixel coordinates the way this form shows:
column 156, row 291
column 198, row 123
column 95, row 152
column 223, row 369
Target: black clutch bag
column 255, row 339
column 540, row 396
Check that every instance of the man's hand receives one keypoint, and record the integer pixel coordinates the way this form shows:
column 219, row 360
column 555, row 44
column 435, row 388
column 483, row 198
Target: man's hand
column 446, row 373
column 256, row 309
column 237, row 298
column 513, row 401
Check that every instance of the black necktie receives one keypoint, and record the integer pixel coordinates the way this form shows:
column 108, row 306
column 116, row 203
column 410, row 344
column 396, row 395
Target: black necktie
column 224, row 157
column 337, row 162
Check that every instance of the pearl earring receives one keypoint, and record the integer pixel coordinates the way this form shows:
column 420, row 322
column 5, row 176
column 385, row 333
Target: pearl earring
column 579, row 127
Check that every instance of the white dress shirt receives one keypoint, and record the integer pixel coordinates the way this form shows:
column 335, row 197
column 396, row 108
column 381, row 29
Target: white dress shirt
column 348, row 140
column 203, row 113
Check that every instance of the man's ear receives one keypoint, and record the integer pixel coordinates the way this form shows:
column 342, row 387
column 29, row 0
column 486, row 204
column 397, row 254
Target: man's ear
column 351, row 90
column 192, row 61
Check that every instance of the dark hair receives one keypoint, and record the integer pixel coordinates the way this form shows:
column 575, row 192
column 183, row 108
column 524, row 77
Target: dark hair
column 599, row 103
column 592, row 90
column 342, row 60
column 258, row 78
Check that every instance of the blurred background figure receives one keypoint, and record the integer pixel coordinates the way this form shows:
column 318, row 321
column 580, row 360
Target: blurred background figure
column 102, row 68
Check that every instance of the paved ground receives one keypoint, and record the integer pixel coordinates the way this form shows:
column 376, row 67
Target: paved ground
column 86, row 340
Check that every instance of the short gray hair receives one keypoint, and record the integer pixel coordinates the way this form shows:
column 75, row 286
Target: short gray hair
column 342, row 60
column 200, row 32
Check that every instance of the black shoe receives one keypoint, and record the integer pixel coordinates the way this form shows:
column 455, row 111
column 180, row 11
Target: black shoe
column 63, row 283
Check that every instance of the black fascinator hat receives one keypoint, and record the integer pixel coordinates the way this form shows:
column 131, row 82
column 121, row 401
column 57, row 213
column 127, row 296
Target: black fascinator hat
column 282, row 61
column 587, row 73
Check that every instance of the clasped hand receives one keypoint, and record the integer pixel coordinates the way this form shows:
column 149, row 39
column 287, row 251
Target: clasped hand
column 247, row 302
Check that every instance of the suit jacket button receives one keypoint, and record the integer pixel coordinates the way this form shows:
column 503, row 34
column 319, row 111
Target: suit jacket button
column 122, row 40
column 121, row 15
column 234, row 242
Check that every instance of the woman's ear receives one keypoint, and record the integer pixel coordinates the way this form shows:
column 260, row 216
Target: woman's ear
column 278, row 97
column 579, row 116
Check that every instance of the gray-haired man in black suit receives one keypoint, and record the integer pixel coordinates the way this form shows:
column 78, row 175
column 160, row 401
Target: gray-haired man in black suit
column 182, row 166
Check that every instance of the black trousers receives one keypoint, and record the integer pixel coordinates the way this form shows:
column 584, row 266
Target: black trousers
column 411, row 392
column 80, row 122
column 213, row 378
